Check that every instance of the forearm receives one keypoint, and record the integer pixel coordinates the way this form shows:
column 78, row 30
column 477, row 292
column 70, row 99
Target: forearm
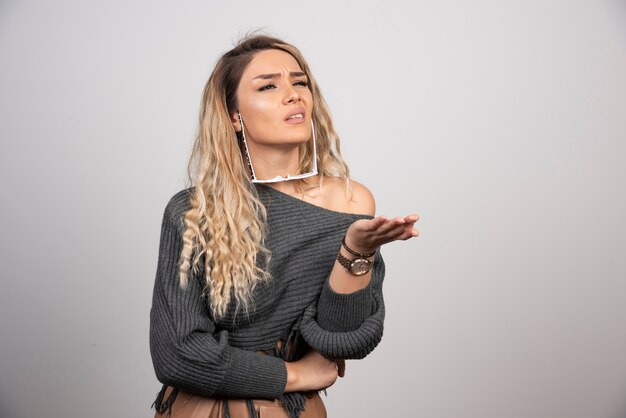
column 206, row 364
column 350, row 325
column 292, row 378
column 342, row 281
column 346, row 299
column 312, row 372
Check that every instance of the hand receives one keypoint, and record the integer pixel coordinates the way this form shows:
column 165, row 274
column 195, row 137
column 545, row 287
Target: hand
column 366, row 235
column 313, row 372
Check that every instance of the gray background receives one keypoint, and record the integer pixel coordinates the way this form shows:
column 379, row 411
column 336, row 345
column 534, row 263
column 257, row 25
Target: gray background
column 500, row 122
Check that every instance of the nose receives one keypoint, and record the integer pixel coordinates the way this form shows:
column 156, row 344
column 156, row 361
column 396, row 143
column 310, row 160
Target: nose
column 292, row 95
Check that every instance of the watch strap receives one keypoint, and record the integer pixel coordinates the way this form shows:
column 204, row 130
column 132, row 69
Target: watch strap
column 357, row 267
column 351, row 251
column 345, row 262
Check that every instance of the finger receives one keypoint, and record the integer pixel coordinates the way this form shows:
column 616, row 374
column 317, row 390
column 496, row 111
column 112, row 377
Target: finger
column 376, row 223
column 341, row 368
column 396, row 231
column 403, row 232
column 368, row 225
column 409, row 234
column 390, row 225
column 412, row 218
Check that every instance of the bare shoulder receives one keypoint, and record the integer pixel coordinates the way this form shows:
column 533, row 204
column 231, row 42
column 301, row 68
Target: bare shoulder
column 362, row 199
column 359, row 200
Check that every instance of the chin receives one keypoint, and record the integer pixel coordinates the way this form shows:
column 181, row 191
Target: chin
column 295, row 140
column 297, row 136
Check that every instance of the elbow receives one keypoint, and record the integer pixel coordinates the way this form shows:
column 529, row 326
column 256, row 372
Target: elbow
column 167, row 368
column 351, row 345
column 346, row 345
column 165, row 376
column 174, row 369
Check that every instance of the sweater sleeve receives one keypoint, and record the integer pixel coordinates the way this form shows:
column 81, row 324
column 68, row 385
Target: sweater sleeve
column 347, row 326
column 186, row 350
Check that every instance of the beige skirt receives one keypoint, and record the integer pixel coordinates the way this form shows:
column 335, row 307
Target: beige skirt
column 187, row 405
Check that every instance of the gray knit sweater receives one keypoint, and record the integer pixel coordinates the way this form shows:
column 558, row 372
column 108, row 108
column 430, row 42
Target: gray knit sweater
column 193, row 352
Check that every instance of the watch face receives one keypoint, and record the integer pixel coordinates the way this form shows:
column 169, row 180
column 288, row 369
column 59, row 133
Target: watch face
column 360, row 266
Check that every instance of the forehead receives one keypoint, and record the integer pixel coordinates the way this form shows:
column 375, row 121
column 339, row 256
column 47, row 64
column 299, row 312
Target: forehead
column 271, row 61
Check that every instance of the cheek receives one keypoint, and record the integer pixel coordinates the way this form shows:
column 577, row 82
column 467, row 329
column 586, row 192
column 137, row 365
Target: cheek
column 259, row 114
column 255, row 103
column 309, row 99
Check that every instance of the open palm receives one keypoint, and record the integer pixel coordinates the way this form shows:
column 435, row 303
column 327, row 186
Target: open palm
column 366, row 235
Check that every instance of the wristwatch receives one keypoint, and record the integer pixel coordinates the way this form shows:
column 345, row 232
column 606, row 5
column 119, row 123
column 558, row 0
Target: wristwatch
column 357, row 266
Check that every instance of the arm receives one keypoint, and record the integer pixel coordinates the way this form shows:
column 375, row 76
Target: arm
column 347, row 321
column 347, row 325
column 186, row 351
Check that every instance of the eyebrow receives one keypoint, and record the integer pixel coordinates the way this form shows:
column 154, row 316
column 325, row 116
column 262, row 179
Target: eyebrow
column 275, row 75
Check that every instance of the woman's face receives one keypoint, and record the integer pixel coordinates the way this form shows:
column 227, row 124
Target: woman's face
column 275, row 102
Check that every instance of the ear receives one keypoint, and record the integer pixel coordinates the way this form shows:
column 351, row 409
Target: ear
column 235, row 121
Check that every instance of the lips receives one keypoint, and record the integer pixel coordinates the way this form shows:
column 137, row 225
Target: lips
column 296, row 115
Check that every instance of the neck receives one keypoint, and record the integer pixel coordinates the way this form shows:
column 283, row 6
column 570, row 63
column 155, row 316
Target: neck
column 271, row 161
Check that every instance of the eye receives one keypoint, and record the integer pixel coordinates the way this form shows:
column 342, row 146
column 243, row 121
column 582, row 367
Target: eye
column 301, row 83
column 267, row 87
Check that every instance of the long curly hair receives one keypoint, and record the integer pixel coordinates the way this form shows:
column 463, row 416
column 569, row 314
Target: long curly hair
column 226, row 225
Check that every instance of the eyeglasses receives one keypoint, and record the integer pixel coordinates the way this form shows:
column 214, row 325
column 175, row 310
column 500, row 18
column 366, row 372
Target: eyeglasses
column 279, row 178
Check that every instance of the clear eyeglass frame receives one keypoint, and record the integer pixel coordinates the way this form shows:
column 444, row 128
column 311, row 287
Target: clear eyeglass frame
column 277, row 179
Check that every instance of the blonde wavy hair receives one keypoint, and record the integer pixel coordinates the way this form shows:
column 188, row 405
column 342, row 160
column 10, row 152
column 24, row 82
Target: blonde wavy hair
column 227, row 223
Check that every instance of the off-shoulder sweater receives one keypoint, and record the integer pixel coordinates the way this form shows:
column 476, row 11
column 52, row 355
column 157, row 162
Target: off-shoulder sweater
column 194, row 352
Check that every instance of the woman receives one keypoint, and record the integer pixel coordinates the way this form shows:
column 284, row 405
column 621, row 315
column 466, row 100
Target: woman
column 269, row 275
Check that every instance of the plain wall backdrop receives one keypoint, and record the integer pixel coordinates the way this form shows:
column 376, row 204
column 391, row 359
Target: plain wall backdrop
column 502, row 123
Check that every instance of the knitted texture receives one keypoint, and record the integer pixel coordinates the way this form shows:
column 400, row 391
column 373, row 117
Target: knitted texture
column 192, row 351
